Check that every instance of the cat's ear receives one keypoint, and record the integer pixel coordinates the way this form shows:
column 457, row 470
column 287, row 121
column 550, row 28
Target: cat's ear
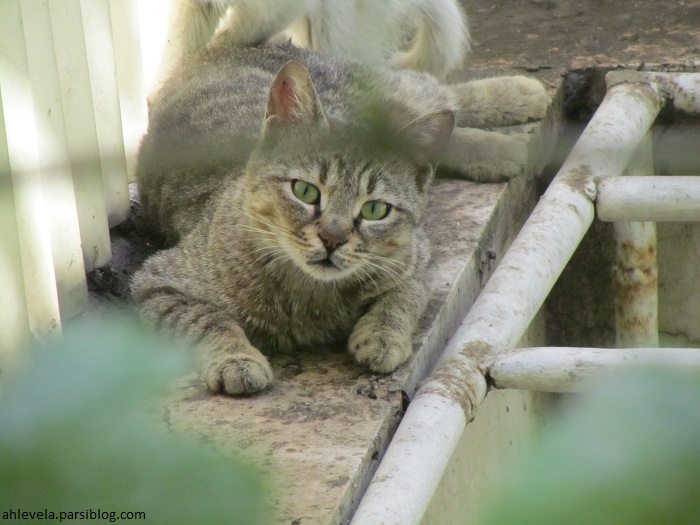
column 293, row 99
column 426, row 138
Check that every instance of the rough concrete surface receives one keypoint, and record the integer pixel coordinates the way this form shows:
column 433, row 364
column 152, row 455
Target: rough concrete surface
column 323, row 426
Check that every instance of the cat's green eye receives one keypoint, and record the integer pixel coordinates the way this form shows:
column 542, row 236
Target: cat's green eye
column 374, row 210
column 305, row 192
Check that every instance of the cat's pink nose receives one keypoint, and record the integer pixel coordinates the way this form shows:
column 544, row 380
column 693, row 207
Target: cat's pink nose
column 334, row 232
column 330, row 241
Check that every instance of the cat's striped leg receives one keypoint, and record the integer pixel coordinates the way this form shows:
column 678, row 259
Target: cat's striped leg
column 382, row 338
column 228, row 362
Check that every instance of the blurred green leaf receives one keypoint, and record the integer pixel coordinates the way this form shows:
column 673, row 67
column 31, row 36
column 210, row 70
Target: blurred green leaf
column 627, row 454
column 76, row 434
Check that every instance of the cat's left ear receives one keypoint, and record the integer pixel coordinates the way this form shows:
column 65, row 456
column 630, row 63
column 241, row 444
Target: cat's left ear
column 293, row 99
column 427, row 137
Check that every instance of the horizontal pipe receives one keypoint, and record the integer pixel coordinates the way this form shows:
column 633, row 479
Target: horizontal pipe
column 681, row 90
column 657, row 199
column 559, row 369
column 412, row 467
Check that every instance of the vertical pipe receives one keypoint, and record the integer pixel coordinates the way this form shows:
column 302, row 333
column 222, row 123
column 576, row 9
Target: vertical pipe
column 97, row 24
column 81, row 131
column 56, row 175
column 21, row 153
column 14, row 321
column 635, row 273
column 414, row 463
column 130, row 77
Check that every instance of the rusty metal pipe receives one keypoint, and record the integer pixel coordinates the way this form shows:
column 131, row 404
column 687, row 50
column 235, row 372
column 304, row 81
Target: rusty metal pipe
column 635, row 272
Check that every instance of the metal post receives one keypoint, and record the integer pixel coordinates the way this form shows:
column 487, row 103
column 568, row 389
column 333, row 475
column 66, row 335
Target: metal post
column 635, row 273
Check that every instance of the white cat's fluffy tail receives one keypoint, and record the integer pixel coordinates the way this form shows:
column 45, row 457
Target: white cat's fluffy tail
column 442, row 38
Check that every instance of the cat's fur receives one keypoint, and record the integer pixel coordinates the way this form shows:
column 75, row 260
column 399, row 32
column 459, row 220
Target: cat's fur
column 372, row 31
column 257, row 269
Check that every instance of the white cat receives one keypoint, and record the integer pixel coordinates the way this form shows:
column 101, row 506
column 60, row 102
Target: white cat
column 434, row 32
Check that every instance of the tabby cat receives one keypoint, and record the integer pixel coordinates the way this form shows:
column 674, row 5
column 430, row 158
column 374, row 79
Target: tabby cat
column 291, row 186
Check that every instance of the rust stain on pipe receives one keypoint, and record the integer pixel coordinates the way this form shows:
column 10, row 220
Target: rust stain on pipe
column 460, row 378
column 635, row 281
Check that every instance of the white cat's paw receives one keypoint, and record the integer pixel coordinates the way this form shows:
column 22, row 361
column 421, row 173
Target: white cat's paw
column 380, row 349
column 528, row 100
column 239, row 373
column 486, row 156
column 499, row 101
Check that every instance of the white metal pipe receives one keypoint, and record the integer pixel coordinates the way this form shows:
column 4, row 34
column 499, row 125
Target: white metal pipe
column 563, row 369
column 657, row 199
column 81, row 131
column 56, row 175
column 128, row 40
column 682, row 90
column 97, row 25
column 14, row 321
column 504, row 309
column 635, row 274
column 20, row 154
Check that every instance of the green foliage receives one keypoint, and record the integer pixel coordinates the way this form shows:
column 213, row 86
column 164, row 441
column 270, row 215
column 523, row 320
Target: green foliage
column 78, row 432
column 627, row 454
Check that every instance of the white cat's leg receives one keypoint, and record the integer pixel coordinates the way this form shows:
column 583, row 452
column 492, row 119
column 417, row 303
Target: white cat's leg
column 499, row 101
column 191, row 25
column 254, row 21
column 485, row 156
column 442, row 39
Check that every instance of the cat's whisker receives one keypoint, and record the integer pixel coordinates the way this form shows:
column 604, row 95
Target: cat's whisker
column 396, row 277
column 362, row 289
column 255, row 217
column 395, row 265
column 395, row 262
column 274, row 253
column 369, row 276
column 253, row 229
column 266, row 248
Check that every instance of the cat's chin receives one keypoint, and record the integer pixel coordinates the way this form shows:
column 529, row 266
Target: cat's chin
column 326, row 270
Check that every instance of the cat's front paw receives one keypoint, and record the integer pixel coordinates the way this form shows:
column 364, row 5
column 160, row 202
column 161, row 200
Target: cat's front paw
column 238, row 373
column 379, row 348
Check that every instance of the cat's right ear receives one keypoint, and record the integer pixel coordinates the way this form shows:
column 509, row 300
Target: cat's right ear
column 293, row 100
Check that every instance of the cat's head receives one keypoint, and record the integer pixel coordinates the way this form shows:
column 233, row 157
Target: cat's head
column 340, row 200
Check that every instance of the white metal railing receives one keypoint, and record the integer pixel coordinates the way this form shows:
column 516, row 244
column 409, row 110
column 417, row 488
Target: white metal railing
column 614, row 142
column 72, row 111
